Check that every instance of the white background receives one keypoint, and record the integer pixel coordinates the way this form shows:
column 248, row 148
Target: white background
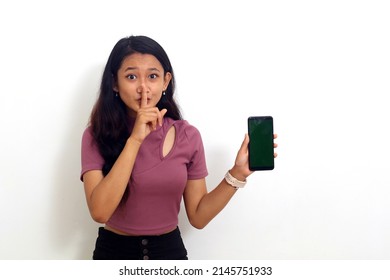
column 320, row 68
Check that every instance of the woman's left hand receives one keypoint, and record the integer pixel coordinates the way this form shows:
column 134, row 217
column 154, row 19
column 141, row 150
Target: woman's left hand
column 241, row 166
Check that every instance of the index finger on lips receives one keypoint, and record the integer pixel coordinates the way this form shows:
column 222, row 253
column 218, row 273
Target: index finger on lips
column 144, row 99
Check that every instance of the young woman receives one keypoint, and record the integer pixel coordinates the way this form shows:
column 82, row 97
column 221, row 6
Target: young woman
column 139, row 158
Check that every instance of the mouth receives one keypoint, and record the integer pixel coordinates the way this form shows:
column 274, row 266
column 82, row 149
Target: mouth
column 139, row 101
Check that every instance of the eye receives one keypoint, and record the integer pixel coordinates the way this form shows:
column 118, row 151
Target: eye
column 153, row 76
column 131, row 77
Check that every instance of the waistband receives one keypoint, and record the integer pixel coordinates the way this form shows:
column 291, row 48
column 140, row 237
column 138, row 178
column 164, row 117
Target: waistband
column 111, row 234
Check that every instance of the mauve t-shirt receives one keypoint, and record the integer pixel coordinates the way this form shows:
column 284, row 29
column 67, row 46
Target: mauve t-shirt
column 157, row 183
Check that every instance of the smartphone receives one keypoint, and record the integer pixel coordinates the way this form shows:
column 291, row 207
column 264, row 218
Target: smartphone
column 261, row 143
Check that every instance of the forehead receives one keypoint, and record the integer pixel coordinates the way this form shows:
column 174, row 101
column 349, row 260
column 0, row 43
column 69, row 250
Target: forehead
column 141, row 61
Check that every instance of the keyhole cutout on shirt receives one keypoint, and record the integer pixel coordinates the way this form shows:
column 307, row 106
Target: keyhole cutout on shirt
column 169, row 141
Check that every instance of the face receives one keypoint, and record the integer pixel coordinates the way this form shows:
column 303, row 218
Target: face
column 141, row 75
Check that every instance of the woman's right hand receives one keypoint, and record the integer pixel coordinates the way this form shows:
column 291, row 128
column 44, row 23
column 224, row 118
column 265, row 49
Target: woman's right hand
column 147, row 120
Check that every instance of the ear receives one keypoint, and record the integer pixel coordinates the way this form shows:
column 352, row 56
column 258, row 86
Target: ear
column 114, row 84
column 167, row 79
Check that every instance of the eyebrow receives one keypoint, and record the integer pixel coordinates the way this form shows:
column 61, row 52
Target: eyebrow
column 135, row 68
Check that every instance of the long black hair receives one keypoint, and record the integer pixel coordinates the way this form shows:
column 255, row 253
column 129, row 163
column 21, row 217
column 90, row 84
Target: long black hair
column 109, row 115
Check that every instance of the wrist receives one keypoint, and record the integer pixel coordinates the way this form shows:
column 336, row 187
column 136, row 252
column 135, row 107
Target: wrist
column 237, row 174
column 233, row 181
column 132, row 139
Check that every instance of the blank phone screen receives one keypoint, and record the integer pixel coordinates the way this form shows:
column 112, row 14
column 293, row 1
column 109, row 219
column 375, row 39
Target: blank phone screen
column 261, row 143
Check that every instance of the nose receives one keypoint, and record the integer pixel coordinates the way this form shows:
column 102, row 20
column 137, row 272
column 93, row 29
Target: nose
column 142, row 87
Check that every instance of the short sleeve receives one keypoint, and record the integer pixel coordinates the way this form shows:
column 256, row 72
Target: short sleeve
column 197, row 167
column 90, row 155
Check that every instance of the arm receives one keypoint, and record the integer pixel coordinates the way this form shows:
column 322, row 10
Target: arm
column 201, row 206
column 104, row 193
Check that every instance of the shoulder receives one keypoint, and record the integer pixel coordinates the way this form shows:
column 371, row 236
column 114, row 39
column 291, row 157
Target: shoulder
column 190, row 131
column 89, row 147
column 91, row 158
column 87, row 137
column 88, row 140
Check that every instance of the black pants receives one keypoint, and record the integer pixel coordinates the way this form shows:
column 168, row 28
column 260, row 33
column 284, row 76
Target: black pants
column 112, row 246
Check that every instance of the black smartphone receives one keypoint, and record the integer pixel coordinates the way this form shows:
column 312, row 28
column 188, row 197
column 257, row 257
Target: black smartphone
column 261, row 143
